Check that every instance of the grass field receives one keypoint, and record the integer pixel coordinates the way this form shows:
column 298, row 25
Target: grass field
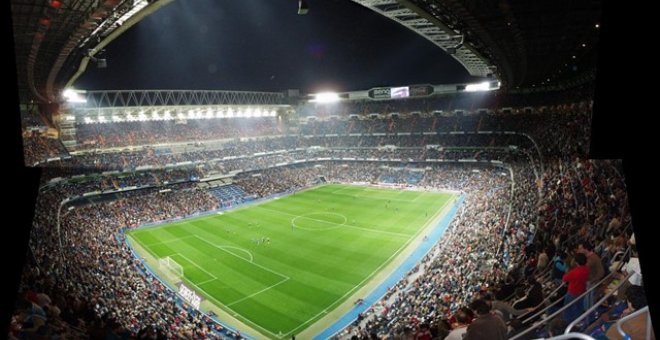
column 281, row 265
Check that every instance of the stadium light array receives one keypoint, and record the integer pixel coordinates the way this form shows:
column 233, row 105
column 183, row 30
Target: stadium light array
column 74, row 96
column 325, row 97
column 485, row 86
column 159, row 114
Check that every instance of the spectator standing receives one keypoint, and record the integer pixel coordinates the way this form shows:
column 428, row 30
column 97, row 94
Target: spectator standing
column 577, row 284
column 487, row 325
column 596, row 270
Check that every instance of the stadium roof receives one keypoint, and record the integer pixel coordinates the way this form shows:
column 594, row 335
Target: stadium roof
column 532, row 43
column 52, row 37
column 526, row 44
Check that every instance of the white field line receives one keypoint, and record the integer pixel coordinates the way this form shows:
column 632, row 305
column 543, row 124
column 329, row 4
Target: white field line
column 169, row 241
column 243, row 318
column 340, row 189
column 246, row 320
column 339, row 224
column 325, row 311
column 195, row 264
column 372, row 197
column 280, row 336
column 285, row 278
column 257, row 293
column 252, row 263
column 331, row 306
column 238, row 248
column 205, row 282
column 421, row 194
column 356, row 286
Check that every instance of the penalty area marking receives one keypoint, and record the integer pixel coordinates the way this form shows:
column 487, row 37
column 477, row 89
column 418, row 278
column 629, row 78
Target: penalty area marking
column 195, row 264
column 257, row 293
column 237, row 248
column 242, row 258
column 226, row 250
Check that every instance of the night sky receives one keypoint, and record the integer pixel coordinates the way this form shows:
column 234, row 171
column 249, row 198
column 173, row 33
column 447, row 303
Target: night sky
column 264, row 45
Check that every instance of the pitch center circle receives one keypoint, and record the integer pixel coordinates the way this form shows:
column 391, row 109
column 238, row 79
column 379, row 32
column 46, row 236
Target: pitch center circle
column 317, row 221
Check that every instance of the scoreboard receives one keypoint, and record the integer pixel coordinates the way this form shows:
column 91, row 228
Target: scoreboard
column 401, row 92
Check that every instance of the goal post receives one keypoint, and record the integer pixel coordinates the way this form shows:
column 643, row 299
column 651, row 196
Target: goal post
column 169, row 264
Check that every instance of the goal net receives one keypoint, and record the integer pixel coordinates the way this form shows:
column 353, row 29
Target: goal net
column 167, row 263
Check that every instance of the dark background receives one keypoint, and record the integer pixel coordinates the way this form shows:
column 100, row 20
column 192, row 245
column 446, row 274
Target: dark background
column 264, row 45
column 620, row 126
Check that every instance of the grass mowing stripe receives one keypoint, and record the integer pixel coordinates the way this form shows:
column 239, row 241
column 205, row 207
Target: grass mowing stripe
column 363, row 281
column 169, row 241
column 298, row 275
column 250, row 262
column 195, row 264
column 257, row 293
column 338, row 225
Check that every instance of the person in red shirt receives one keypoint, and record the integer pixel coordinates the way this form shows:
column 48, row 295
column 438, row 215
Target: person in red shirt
column 577, row 284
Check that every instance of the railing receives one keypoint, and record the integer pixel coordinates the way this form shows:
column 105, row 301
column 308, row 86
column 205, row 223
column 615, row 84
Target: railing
column 570, row 183
column 578, row 176
column 553, row 315
column 546, row 300
column 649, row 329
column 571, row 336
column 535, row 315
column 508, row 216
column 596, row 305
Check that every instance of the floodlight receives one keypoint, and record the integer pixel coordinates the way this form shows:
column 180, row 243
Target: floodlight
column 73, row 96
column 325, row 97
column 485, row 86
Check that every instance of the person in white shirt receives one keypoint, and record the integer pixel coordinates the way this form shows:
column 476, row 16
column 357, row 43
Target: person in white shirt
column 632, row 266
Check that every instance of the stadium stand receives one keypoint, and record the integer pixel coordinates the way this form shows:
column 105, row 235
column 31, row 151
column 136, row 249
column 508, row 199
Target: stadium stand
column 542, row 246
column 502, row 243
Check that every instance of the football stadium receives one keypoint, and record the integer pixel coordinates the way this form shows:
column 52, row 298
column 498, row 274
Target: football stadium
column 354, row 169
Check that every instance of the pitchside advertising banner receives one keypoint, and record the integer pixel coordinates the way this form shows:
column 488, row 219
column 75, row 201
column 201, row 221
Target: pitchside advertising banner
column 421, row 90
column 380, row 93
column 401, row 92
column 189, row 296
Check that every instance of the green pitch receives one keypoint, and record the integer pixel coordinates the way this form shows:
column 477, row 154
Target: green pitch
column 281, row 265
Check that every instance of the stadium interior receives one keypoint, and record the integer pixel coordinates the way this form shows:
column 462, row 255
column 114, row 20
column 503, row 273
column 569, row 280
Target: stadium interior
column 469, row 210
